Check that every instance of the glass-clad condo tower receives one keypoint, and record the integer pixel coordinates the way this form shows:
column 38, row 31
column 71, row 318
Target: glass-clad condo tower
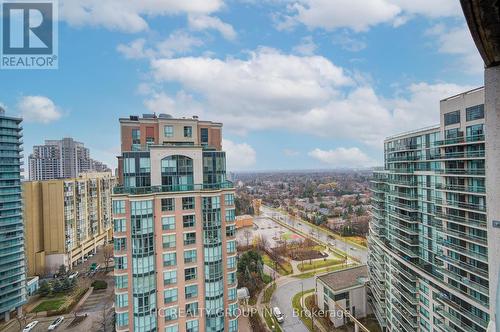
column 174, row 228
column 428, row 250
column 12, row 260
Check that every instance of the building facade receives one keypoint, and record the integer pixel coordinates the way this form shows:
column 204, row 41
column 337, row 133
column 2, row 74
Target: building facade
column 59, row 159
column 343, row 291
column 428, row 242
column 66, row 220
column 12, row 263
column 174, row 228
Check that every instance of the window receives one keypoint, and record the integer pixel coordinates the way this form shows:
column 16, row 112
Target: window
column 122, row 319
column 136, row 140
column 233, row 325
column 230, row 230
column 120, row 263
column 230, row 215
column 144, row 165
column 204, row 136
column 172, row 328
column 167, row 204
column 451, row 118
column 150, row 141
column 190, row 273
column 190, row 256
column 187, row 203
column 119, row 225
column 121, row 282
column 118, row 207
column 168, row 241
column 475, row 112
column 171, row 314
column 168, row 131
column 169, row 259
column 231, row 247
column 475, row 131
column 177, row 172
column 232, row 294
column 129, row 165
column 121, row 300
column 168, row 223
column 120, row 244
column 188, row 221
column 170, row 295
column 231, row 278
column 169, row 277
column 192, row 326
column 192, row 309
column 231, row 262
column 452, row 133
column 188, row 131
column 229, row 199
column 191, row 291
column 189, row 238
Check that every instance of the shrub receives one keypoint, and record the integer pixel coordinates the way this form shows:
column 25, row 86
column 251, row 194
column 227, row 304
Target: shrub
column 99, row 284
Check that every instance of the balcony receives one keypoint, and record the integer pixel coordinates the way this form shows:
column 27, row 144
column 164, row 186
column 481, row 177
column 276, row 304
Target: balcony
column 465, row 281
column 460, row 140
column 465, row 266
column 463, row 251
column 119, row 190
column 461, row 171
column 461, row 188
column 470, row 222
column 462, row 311
column 460, row 205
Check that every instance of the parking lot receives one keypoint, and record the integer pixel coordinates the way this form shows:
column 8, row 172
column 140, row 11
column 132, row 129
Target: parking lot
column 271, row 230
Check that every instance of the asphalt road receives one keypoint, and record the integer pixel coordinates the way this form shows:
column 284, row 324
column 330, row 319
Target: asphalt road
column 356, row 252
column 282, row 298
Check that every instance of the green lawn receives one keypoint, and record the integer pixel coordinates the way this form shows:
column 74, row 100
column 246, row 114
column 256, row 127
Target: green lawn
column 284, row 270
column 52, row 304
column 318, row 264
column 321, row 271
column 268, row 293
column 271, row 320
column 298, row 308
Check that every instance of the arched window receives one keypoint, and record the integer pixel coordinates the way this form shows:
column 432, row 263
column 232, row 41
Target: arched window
column 177, row 171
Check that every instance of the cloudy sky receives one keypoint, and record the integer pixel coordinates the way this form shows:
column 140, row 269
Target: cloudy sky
column 298, row 84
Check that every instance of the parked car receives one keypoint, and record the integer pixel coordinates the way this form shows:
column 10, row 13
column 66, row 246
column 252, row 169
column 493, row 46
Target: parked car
column 30, row 326
column 279, row 316
column 56, row 323
column 73, row 275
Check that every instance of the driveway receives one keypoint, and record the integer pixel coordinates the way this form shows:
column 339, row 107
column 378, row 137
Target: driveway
column 282, row 298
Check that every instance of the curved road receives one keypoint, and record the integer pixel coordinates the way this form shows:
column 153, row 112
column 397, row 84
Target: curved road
column 356, row 252
column 282, row 298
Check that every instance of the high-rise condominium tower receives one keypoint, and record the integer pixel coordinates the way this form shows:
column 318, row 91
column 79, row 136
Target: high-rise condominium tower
column 12, row 263
column 66, row 220
column 428, row 241
column 60, row 159
column 174, row 228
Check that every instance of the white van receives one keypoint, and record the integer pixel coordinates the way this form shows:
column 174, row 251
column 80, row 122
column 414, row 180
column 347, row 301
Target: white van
column 30, row 326
column 279, row 316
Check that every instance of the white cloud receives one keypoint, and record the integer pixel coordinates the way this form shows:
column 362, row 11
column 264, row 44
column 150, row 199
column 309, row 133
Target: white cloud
column 204, row 22
column 178, row 42
column 128, row 16
column 180, row 105
column 239, row 156
column 342, row 157
column 457, row 41
column 303, row 94
column 360, row 15
column 38, row 109
column 306, row 46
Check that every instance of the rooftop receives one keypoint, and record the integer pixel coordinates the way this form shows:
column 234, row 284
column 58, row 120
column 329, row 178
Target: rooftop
column 339, row 280
column 164, row 117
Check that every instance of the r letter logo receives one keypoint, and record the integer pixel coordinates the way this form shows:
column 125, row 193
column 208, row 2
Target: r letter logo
column 29, row 35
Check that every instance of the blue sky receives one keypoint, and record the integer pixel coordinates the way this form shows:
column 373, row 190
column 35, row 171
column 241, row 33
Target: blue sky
column 298, row 84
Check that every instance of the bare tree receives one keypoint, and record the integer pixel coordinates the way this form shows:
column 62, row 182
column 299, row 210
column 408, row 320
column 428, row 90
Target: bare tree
column 104, row 318
column 108, row 254
column 247, row 234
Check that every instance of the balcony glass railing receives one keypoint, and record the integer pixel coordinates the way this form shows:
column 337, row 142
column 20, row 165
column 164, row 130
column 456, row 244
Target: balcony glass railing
column 465, row 266
column 460, row 140
column 466, row 221
column 483, row 257
column 465, row 281
column 461, row 205
column 468, row 189
column 462, row 311
column 461, row 171
column 173, row 188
